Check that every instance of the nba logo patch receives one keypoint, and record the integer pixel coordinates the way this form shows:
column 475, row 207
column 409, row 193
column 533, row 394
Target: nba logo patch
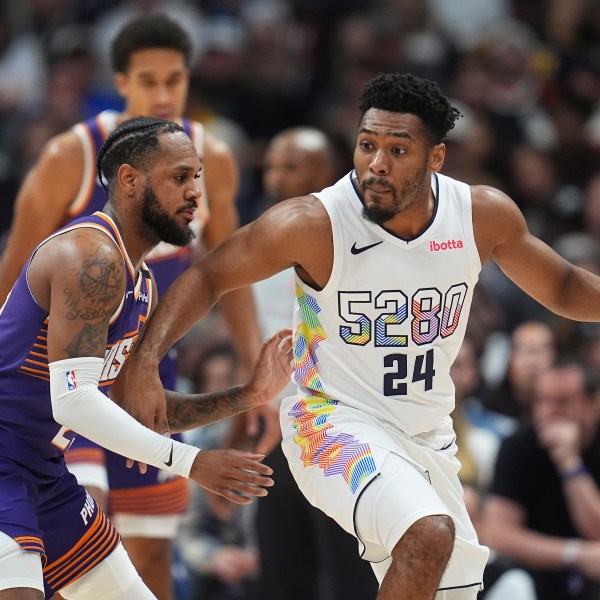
column 71, row 382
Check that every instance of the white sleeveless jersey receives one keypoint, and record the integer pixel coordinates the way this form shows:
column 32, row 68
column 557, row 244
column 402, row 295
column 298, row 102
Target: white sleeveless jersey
column 382, row 334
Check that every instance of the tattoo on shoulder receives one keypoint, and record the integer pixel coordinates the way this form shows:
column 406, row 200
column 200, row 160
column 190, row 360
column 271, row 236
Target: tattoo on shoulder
column 93, row 300
column 101, row 276
column 99, row 290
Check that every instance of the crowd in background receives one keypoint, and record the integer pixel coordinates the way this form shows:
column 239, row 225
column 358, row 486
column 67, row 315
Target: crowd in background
column 525, row 75
column 523, row 72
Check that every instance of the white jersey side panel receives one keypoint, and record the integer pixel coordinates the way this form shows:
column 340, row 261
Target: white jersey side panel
column 382, row 334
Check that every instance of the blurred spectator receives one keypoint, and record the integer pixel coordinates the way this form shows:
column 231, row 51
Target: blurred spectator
column 592, row 206
column 22, row 68
column 478, row 441
column 424, row 46
column 470, row 144
column 533, row 349
column 466, row 21
column 216, row 541
column 218, row 70
column 544, row 507
column 563, row 20
column 478, row 430
column 551, row 207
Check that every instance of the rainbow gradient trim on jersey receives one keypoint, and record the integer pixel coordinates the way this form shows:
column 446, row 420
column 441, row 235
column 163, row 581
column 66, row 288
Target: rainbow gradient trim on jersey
column 309, row 335
column 341, row 454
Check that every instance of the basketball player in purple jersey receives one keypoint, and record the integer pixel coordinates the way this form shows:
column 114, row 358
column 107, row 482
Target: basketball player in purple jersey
column 66, row 330
column 150, row 58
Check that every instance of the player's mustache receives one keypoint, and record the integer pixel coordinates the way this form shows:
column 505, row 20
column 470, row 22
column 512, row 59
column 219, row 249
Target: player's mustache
column 380, row 182
column 190, row 204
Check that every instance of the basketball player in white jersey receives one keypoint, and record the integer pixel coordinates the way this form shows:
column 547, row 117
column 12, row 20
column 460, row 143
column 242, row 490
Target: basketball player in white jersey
column 386, row 261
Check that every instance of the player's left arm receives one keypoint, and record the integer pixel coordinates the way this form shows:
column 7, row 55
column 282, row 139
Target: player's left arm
column 501, row 234
column 270, row 375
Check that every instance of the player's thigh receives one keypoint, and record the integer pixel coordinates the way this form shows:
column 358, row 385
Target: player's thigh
column 392, row 503
column 149, row 555
column 20, row 572
column 111, row 579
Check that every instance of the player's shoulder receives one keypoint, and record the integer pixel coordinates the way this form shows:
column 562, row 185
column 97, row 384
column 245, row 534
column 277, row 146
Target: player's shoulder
column 215, row 147
column 491, row 204
column 85, row 240
column 496, row 218
column 486, row 197
column 75, row 252
column 309, row 206
column 64, row 147
column 294, row 215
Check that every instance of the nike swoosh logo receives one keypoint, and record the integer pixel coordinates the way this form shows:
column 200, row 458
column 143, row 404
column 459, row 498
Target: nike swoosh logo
column 170, row 461
column 356, row 250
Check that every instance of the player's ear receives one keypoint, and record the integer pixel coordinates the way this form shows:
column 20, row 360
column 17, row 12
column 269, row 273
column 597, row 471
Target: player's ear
column 121, row 81
column 128, row 179
column 436, row 157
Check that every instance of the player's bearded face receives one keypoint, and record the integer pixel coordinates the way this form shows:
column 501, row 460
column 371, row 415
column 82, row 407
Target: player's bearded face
column 380, row 208
column 164, row 227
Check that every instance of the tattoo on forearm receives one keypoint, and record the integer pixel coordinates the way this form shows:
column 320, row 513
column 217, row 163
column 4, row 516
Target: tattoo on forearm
column 90, row 340
column 189, row 411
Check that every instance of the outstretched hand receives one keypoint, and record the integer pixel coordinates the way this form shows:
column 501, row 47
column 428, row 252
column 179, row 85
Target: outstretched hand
column 233, row 474
column 273, row 367
column 258, row 428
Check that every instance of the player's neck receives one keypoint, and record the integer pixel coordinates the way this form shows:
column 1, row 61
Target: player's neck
column 136, row 245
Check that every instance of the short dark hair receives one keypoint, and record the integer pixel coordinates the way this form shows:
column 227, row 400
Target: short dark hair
column 405, row 93
column 590, row 380
column 134, row 142
column 154, row 30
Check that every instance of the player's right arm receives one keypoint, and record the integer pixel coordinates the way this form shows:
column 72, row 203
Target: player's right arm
column 41, row 204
